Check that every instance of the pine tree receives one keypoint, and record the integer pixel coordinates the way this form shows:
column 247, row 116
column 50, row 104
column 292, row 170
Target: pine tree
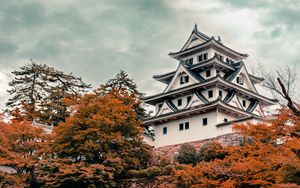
column 121, row 82
column 27, row 89
column 39, row 92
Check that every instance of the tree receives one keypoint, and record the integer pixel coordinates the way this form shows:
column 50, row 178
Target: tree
column 21, row 147
column 211, row 151
column 282, row 84
column 65, row 173
column 121, row 82
column 38, row 93
column 103, row 130
column 187, row 154
column 270, row 159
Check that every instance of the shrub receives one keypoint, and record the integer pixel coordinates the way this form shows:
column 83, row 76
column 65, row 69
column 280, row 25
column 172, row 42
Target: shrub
column 150, row 172
column 187, row 154
column 210, row 151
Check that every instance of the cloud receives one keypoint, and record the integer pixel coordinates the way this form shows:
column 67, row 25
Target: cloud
column 95, row 39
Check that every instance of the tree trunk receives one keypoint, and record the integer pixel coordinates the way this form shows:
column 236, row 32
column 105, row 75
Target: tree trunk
column 290, row 103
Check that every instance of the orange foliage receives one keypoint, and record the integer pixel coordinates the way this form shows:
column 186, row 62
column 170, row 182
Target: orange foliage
column 21, row 145
column 268, row 157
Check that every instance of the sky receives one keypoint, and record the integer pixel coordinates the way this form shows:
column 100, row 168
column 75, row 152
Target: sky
column 95, row 39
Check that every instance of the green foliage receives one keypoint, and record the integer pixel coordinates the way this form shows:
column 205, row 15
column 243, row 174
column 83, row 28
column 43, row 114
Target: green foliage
column 38, row 92
column 187, row 154
column 211, row 151
column 150, row 172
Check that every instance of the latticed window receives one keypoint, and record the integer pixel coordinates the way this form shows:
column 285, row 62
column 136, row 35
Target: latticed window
column 184, row 79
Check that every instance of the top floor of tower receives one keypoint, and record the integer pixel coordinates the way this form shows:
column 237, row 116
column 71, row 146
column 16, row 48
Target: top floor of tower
column 199, row 47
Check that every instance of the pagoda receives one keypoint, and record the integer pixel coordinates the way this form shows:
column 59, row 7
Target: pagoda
column 210, row 89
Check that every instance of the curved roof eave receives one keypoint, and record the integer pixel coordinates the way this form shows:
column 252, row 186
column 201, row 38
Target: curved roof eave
column 211, row 41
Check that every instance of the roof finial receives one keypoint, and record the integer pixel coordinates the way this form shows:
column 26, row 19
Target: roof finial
column 195, row 27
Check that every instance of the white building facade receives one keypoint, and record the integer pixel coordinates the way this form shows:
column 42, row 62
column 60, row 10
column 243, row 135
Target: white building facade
column 210, row 89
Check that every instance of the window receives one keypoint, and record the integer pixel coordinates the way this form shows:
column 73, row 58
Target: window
column 188, row 99
column 221, row 57
column 189, row 61
column 187, row 125
column 218, row 72
column 204, row 121
column 200, row 58
column 184, row 79
column 160, row 106
column 240, row 80
column 225, row 119
column 181, row 126
column 179, row 102
column 205, row 56
column 208, row 73
column 220, row 94
column 210, row 94
column 165, row 130
column 244, row 103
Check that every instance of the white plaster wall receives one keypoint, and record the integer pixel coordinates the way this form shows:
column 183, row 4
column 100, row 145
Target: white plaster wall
column 184, row 101
column 213, row 73
column 224, row 93
column 241, row 101
column 221, row 116
column 210, row 54
column 150, row 141
column 215, row 93
column 224, row 56
column 7, row 169
column 195, row 132
column 176, row 84
column 157, row 107
column 195, row 42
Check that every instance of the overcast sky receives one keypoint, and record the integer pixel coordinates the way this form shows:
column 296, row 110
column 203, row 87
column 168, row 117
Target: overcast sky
column 95, row 39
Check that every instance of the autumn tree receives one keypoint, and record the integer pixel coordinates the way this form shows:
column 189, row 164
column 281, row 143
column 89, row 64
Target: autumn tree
column 121, row 82
column 21, row 147
column 38, row 92
column 269, row 158
column 103, row 130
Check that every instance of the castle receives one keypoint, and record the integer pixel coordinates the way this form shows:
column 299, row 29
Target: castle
column 210, row 89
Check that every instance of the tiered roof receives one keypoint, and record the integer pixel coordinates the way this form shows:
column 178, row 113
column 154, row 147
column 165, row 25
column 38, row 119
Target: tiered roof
column 208, row 42
column 169, row 111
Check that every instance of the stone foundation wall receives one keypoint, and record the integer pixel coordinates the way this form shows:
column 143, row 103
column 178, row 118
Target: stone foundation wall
column 170, row 151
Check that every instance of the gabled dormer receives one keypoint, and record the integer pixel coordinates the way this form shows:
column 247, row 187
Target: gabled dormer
column 165, row 108
column 198, row 42
column 241, row 77
column 197, row 99
column 195, row 39
column 182, row 78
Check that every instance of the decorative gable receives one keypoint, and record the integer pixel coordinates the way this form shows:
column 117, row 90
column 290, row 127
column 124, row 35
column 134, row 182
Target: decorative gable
column 241, row 78
column 196, row 100
column 193, row 41
column 182, row 77
column 235, row 102
column 166, row 108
